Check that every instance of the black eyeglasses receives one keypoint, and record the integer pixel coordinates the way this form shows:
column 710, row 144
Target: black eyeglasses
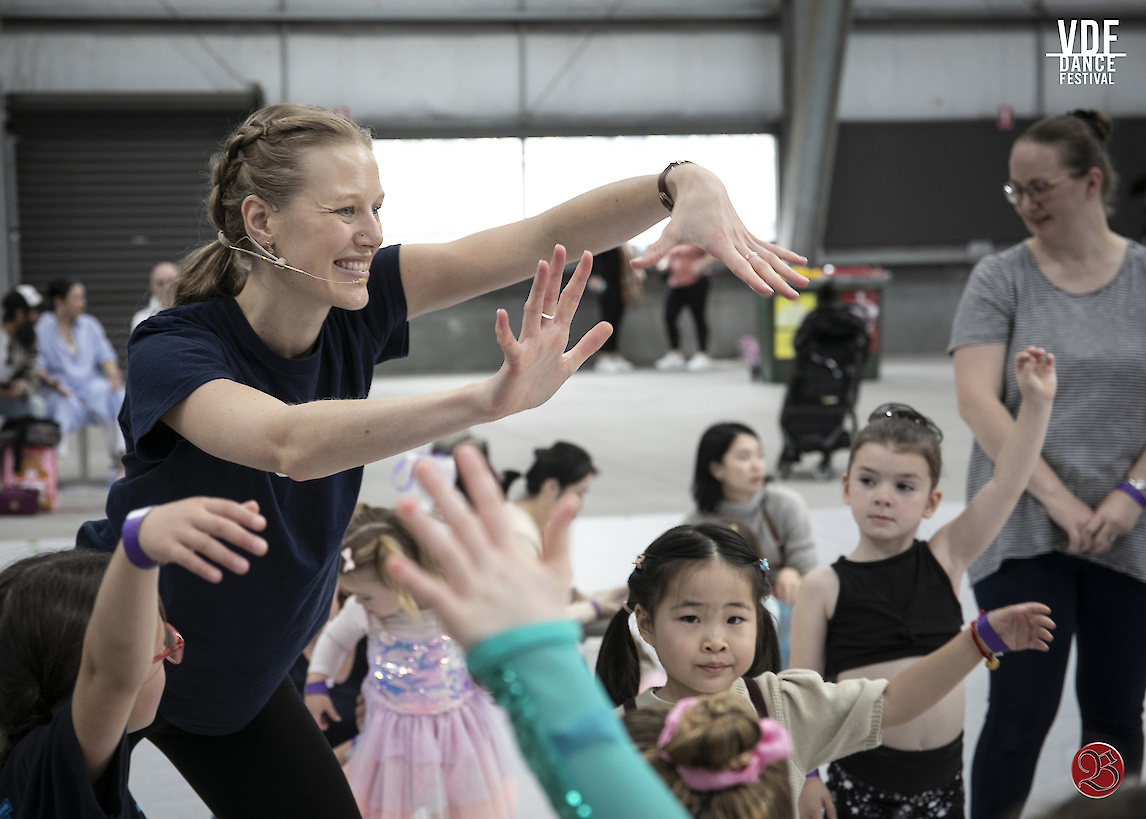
column 902, row 412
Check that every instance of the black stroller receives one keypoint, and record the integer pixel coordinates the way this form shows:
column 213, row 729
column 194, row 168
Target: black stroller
column 819, row 409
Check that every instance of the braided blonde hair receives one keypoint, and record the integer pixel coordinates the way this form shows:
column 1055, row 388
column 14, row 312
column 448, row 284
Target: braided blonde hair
column 262, row 157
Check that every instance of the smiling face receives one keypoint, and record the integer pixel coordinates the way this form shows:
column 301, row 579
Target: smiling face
column 742, row 469
column 703, row 630
column 331, row 228
column 889, row 493
column 1062, row 205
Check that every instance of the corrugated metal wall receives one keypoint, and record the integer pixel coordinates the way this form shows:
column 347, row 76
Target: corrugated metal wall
column 107, row 190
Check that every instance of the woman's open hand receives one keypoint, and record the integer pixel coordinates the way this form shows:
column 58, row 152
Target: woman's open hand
column 487, row 585
column 703, row 215
column 536, row 362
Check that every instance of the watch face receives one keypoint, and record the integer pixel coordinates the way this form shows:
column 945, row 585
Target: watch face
column 1137, row 483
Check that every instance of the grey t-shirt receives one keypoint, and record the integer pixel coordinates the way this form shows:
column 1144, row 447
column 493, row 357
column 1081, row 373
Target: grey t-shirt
column 1098, row 425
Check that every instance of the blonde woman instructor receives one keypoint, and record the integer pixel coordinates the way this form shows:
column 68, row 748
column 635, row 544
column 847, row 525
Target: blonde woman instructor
column 254, row 386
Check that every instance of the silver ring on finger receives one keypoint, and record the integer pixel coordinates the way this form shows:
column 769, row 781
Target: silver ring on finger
column 547, row 316
column 750, row 254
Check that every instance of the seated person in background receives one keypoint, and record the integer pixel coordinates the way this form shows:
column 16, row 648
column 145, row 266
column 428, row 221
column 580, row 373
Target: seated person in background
column 19, row 376
column 162, row 277
column 75, row 353
column 562, row 469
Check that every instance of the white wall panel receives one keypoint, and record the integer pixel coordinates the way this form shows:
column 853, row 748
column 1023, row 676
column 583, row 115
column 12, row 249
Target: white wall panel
column 126, row 64
column 424, row 78
column 658, row 75
column 937, row 76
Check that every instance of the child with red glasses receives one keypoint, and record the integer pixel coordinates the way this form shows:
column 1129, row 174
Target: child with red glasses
column 895, row 598
column 82, row 645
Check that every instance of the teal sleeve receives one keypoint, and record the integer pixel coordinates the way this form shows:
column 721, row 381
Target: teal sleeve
column 565, row 725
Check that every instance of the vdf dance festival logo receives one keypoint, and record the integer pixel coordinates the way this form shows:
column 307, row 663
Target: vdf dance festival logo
column 1088, row 65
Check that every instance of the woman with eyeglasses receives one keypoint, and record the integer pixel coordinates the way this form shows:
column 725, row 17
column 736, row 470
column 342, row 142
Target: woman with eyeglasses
column 83, row 642
column 1077, row 538
column 895, row 599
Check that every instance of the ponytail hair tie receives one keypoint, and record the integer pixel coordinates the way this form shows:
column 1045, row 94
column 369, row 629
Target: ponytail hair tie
column 773, row 746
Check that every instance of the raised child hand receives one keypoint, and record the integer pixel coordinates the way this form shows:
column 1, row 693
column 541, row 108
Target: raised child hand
column 1023, row 626
column 189, row 530
column 1034, row 369
column 487, row 586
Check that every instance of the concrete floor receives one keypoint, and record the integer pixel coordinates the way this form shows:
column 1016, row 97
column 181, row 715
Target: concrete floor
column 641, row 429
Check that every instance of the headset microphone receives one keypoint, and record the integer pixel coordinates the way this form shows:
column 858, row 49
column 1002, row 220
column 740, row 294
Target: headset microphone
column 280, row 262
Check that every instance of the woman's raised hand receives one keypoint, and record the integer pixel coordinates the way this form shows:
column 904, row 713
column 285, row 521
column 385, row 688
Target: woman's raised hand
column 487, row 585
column 703, row 215
column 536, row 362
column 187, row 531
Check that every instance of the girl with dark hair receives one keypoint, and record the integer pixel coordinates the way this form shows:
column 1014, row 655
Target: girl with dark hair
column 1077, row 536
column 696, row 594
column 895, row 598
column 730, row 485
column 83, row 642
column 562, row 469
column 255, row 384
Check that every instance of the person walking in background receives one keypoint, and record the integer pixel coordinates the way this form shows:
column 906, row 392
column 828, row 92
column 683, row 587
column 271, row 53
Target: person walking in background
column 162, row 277
column 77, row 357
column 689, row 267
column 1076, row 539
column 618, row 287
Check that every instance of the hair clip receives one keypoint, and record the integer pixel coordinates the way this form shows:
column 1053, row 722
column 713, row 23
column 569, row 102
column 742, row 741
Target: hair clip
column 773, row 746
column 639, row 561
column 347, row 561
column 764, row 564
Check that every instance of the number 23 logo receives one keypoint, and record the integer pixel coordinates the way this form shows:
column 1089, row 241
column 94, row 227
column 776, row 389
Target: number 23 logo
column 1097, row 770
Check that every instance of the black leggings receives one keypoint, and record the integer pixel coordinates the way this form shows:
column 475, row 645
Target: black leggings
column 608, row 267
column 1104, row 611
column 278, row 765
column 694, row 297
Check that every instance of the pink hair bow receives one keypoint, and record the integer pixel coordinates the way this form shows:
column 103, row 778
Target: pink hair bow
column 347, row 560
column 773, row 746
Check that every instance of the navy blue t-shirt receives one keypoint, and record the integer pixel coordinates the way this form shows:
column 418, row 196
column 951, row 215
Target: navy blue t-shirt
column 45, row 777
column 244, row 634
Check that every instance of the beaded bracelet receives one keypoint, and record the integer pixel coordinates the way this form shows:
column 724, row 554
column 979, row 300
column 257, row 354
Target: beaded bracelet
column 992, row 660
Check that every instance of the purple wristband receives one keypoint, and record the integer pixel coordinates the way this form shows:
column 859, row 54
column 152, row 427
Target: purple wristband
column 994, row 641
column 815, row 774
column 317, row 687
column 130, row 538
column 1129, row 489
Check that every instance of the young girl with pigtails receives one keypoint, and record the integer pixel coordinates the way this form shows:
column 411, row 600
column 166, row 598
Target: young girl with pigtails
column 434, row 745
column 881, row 609
column 697, row 595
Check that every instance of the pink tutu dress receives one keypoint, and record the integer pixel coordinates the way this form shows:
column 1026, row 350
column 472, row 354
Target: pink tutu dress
column 435, row 745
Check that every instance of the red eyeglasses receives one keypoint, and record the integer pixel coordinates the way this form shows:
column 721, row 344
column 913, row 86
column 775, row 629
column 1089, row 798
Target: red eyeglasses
column 172, row 646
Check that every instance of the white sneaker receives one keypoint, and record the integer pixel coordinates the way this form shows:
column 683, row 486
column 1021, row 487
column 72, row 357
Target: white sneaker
column 699, row 361
column 672, row 360
column 612, row 364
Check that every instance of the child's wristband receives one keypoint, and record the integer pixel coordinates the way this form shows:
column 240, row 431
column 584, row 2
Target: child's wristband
column 317, row 687
column 596, row 606
column 989, row 636
column 130, row 538
column 814, row 774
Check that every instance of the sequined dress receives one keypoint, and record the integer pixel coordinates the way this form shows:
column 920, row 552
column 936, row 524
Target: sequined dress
column 435, row 745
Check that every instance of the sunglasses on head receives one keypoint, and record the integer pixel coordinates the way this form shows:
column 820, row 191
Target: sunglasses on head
column 902, row 412
column 172, row 646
